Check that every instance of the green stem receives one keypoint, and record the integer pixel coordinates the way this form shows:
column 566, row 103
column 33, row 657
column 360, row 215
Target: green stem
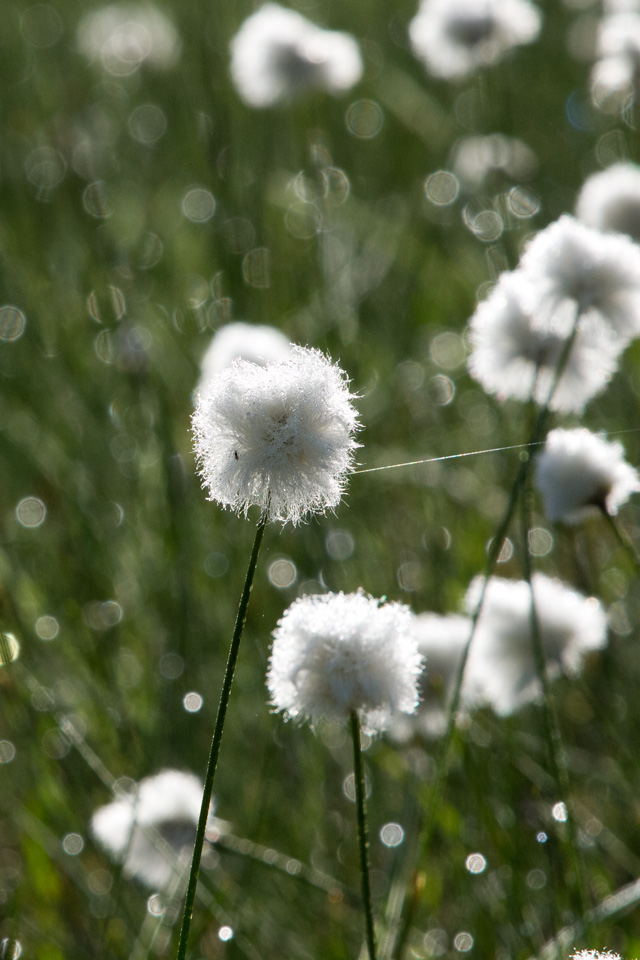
column 624, row 540
column 217, row 739
column 536, row 434
column 363, row 837
column 552, row 732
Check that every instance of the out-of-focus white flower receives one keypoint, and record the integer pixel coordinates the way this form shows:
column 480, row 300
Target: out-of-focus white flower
column 579, row 473
column 257, row 343
column 279, row 436
column 614, row 80
column 278, row 53
column 610, row 200
column 153, row 827
column 456, row 37
column 334, row 653
column 501, row 668
column 475, row 159
column 584, row 271
column 441, row 642
column 125, row 35
column 514, row 354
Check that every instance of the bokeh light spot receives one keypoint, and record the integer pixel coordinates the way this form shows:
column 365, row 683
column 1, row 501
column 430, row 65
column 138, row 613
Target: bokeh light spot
column 255, row 268
column 339, row 545
column 192, row 702
column 31, row 512
column 559, row 812
column 73, row 844
column 198, row 205
column 96, row 200
column 463, row 941
column 441, row 188
column 12, row 323
column 475, row 863
column 364, row 119
column 47, row 628
column 7, row 751
column 392, row 834
column 540, row 542
column 147, row 123
column 282, row 573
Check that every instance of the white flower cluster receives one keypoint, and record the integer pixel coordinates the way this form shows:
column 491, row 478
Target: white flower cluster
column 278, row 436
column 335, row 653
column 501, row 669
column 454, row 38
column 153, row 827
column 124, row 36
column 278, row 53
column 579, row 473
column 570, row 276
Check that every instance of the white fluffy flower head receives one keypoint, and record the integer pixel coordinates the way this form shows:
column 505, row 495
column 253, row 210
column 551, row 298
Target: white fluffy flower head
column 280, row 436
column 153, row 827
column 501, row 668
column 123, row 36
column 516, row 353
column 596, row 273
column 335, row 652
column 277, row 53
column 610, row 200
column 579, row 473
column 456, row 37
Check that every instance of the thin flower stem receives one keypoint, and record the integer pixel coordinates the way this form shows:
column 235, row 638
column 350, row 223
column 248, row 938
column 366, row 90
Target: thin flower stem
column 217, row 739
column 363, row 838
column 551, row 723
column 624, row 540
column 537, row 431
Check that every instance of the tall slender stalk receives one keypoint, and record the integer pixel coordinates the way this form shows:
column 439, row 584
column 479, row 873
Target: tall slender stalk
column 537, row 430
column 551, row 723
column 363, row 837
column 216, row 741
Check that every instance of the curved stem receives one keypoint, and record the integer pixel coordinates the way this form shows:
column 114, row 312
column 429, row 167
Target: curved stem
column 363, row 837
column 216, row 741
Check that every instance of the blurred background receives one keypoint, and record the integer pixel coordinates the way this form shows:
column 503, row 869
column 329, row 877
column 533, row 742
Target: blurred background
column 144, row 205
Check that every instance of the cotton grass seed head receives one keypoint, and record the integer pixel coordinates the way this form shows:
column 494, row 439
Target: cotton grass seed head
column 516, row 350
column 279, row 436
column 454, row 38
column 501, row 669
column 597, row 274
column 122, row 36
column 579, row 473
column 610, row 200
column 153, row 827
column 334, row 653
column 277, row 54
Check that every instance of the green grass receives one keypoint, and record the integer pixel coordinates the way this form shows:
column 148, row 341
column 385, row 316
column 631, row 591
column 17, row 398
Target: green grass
column 96, row 399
